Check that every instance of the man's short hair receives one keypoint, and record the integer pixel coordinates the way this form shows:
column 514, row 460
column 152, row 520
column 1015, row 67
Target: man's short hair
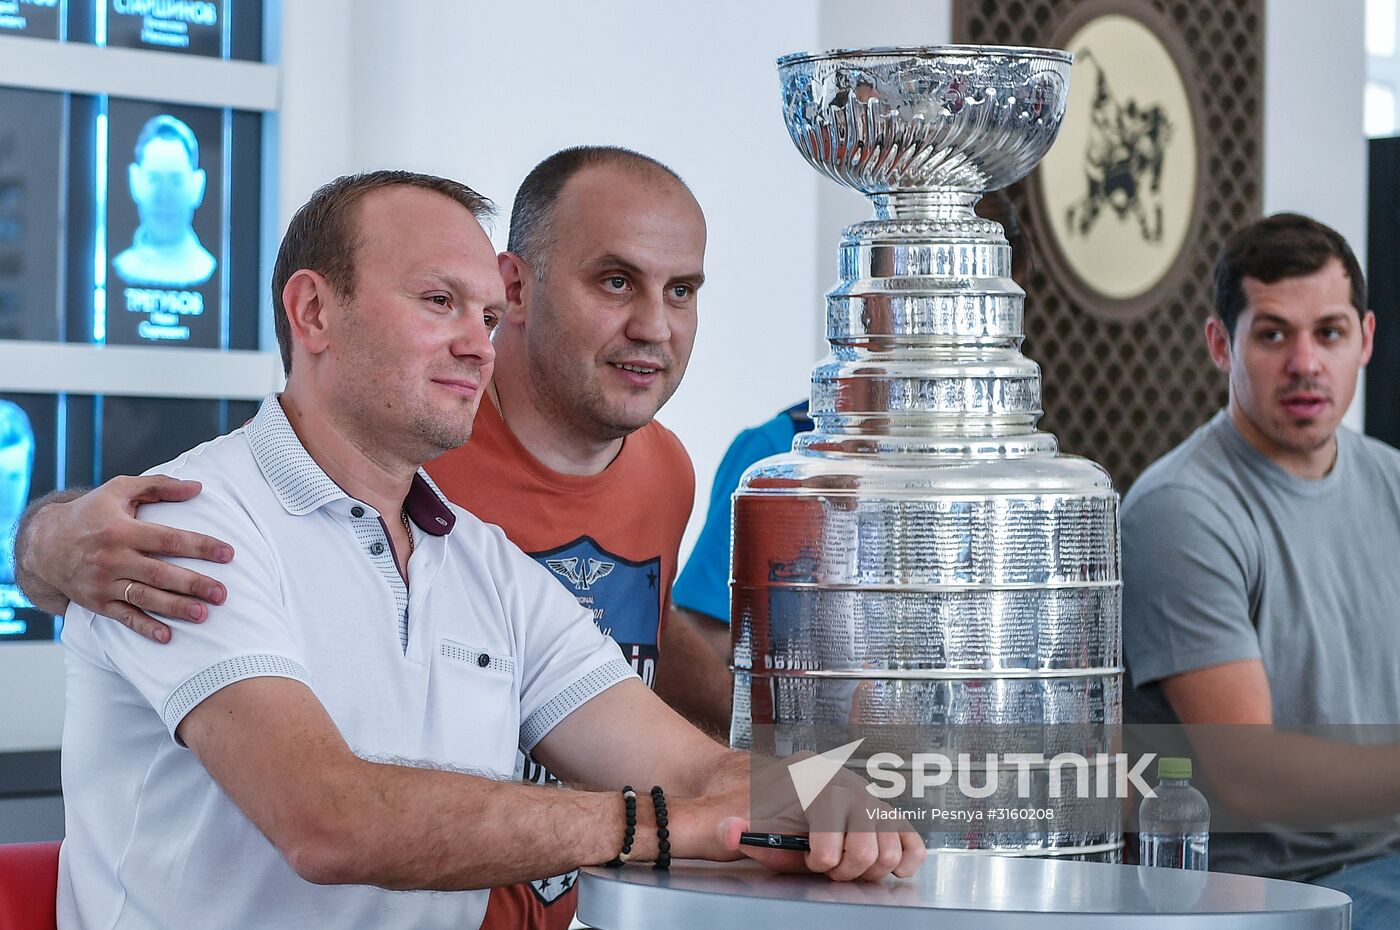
column 531, row 226
column 1285, row 245
column 322, row 236
column 166, row 126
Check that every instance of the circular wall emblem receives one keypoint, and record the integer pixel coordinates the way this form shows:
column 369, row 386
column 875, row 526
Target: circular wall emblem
column 1118, row 190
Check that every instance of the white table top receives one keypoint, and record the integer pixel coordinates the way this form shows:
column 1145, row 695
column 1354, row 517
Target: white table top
column 955, row 892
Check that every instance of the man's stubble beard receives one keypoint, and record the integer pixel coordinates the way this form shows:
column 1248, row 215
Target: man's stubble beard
column 362, row 388
column 1279, row 430
column 1302, row 446
column 584, row 406
column 420, row 436
column 439, row 435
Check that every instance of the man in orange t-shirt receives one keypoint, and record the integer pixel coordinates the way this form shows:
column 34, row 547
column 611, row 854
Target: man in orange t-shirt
column 604, row 262
column 610, row 537
column 605, row 257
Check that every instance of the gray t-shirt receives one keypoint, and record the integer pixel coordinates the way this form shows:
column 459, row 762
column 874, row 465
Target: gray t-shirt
column 1226, row 556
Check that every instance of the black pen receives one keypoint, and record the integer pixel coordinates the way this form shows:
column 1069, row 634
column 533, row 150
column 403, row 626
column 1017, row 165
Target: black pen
column 776, row 841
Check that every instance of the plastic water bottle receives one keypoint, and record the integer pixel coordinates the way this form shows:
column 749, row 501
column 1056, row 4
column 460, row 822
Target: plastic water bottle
column 1174, row 827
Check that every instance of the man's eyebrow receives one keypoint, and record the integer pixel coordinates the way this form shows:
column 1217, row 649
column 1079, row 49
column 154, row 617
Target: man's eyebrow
column 446, row 277
column 1271, row 319
column 458, row 286
column 613, row 260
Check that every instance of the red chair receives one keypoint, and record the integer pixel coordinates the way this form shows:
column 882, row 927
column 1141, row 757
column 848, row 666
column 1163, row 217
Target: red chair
column 28, row 886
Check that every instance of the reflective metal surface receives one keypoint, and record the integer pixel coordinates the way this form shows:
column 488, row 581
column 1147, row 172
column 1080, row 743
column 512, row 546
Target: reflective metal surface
column 915, row 119
column 925, row 556
column 952, row 892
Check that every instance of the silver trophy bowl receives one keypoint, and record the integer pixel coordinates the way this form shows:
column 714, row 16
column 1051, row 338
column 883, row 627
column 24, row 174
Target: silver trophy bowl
column 890, row 120
column 925, row 560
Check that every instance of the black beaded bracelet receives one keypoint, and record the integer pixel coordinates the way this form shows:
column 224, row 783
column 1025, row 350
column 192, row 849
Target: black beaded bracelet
column 629, row 802
column 663, row 835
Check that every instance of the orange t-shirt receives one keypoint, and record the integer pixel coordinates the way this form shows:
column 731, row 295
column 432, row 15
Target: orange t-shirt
column 611, row 538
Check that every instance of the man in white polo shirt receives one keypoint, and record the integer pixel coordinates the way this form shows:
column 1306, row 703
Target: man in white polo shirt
column 342, row 729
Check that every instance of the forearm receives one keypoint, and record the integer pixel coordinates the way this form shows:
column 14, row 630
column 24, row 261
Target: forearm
column 31, row 546
column 695, row 766
column 339, row 819
column 693, row 676
column 724, row 773
column 1267, row 775
column 408, row 828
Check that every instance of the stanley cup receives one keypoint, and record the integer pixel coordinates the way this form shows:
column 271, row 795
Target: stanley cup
column 925, row 557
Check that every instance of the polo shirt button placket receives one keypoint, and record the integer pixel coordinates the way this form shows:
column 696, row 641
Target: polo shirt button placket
column 377, row 549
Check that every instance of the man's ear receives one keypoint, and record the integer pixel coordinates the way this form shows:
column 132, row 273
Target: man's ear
column 1218, row 342
column 1368, row 337
column 517, row 277
column 305, row 300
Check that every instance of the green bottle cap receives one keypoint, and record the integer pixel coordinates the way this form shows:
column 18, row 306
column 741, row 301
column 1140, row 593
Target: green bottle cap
column 1173, row 767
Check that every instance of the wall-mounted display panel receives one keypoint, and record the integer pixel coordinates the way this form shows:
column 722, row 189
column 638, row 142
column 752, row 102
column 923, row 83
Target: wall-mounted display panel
column 50, row 441
column 165, row 225
column 37, row 19
column 163, row 236
column 134, row 434
column 32, row 463
column 100, row 407
column 32, row 159
column 193, row 27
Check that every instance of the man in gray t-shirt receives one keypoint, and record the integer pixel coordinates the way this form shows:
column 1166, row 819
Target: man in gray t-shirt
column 1258, row 577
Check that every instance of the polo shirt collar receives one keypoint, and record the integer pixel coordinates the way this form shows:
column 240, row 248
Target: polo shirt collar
column 301, row 486
column 427, row 507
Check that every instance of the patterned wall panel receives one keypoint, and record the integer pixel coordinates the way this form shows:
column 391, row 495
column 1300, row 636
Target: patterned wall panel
column 1124, row 388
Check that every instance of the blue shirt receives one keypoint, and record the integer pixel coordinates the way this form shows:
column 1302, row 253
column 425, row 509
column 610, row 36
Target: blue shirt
column 703, row 585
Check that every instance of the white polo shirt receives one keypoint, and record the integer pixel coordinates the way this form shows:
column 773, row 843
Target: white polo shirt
column 482, row 652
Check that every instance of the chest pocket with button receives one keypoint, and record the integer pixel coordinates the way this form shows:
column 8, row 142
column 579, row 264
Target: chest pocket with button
column 476, row 706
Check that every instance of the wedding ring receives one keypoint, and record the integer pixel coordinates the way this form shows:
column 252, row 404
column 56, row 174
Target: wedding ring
column 126, row 595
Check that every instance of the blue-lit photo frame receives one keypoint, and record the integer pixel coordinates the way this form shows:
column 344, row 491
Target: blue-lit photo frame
column 33, row 461
column 190, row 27
column 162, row 183
column 133, row 434
column 34, row 19
column 32, row 182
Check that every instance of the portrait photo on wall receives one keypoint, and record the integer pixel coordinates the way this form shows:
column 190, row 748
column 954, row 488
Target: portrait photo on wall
column 36, row 19
column 193, row 27
column 28, row 469
column 164, row 224
column 31, row 200
column 137, row 433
